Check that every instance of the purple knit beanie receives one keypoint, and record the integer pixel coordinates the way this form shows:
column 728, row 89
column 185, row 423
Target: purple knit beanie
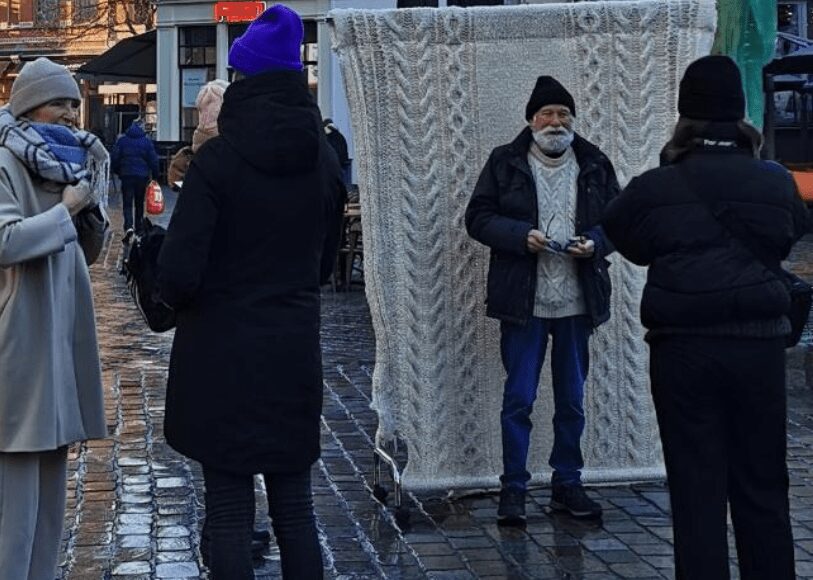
column 272, row 42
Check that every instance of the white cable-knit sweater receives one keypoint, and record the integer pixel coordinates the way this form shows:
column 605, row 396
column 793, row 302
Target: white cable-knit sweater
column 558, row 292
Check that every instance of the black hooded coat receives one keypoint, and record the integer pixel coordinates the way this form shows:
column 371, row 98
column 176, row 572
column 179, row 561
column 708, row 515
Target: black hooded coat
column 253, row 235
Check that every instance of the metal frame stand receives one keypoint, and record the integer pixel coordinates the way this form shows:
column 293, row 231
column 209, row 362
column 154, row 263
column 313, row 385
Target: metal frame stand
column 380, row 492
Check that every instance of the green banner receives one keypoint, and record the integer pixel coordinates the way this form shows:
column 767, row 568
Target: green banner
column 746, row 31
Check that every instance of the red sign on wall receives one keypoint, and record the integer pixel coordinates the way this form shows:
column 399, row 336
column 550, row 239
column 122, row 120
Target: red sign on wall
column 238, row 11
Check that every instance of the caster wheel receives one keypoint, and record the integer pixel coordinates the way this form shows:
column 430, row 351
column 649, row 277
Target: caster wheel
column 402, row 516
column 380, row 493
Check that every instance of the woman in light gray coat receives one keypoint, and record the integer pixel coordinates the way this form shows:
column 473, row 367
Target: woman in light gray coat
column 52, row 178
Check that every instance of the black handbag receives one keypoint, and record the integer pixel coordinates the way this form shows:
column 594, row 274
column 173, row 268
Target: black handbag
column 91, row 230
column 801, row 292
column 141, row 269
column 801, row 299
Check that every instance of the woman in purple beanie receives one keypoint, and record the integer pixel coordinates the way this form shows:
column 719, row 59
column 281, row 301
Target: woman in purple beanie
column 252, row 238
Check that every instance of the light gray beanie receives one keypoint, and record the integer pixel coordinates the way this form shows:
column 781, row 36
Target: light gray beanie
column 40, row 82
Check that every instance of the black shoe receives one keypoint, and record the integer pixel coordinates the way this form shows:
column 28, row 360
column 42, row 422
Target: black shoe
column 260, row 540
column 512, row 507
column 261, row 536
column 573, row 499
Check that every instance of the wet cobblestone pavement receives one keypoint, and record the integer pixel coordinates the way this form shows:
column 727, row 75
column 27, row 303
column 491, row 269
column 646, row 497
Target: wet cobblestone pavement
column 135, row 506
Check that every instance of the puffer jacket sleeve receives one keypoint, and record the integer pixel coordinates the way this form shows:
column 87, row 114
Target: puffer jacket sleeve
column 605, row 247
column 484, row 222
column 185, row 251
column 801, row 215
column 623, row 223
column 28, row 238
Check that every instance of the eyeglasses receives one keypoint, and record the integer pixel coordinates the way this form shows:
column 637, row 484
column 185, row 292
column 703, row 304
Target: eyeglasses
column 563, row 115
column 552, row 245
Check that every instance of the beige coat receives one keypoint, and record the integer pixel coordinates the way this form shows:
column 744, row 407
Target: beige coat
column 50, row 378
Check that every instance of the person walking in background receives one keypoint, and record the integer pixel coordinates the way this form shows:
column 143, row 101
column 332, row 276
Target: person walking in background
column 537, row 205
column 208, row 102
column 712, row 223
column 249, row 243
column 134, row 159
column 50, row 377
column 339, row 144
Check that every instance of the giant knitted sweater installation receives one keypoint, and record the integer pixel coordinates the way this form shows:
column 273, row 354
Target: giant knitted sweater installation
column 431, row 92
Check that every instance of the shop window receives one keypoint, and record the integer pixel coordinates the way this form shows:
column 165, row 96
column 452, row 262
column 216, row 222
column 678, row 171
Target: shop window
column 197, row 46
column 197, row 58
column 16, row 12
column 48, row 13
column 810, row 20
column 791, row 18
column 85, row 11
column 310, row 56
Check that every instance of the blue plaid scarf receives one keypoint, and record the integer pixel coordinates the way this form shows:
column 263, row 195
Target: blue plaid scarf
column 57, row 153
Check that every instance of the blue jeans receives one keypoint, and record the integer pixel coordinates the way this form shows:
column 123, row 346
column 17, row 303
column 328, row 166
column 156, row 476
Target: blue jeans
column 132, row 198
column 523, row 352
column 230, row 518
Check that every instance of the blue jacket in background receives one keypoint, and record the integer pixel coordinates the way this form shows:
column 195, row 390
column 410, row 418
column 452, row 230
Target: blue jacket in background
column 134, row 154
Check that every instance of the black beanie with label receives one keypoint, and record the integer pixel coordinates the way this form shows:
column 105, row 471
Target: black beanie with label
column 711, row 90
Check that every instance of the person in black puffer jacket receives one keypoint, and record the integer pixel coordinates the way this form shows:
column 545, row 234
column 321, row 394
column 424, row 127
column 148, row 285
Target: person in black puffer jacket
column 252, row 237
column 717, row 320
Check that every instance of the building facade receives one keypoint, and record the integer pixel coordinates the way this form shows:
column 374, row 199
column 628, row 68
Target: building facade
column 70, row 32
column 193, row 48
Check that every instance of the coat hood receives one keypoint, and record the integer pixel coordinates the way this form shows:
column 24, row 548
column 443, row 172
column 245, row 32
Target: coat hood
column 273, row 122
column 135, row 131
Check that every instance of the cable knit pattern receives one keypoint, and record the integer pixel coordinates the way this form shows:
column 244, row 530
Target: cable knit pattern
column 431, row 93
column 558, row 291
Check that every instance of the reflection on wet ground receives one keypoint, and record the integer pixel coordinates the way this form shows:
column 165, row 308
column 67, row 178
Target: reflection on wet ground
column 135, row 506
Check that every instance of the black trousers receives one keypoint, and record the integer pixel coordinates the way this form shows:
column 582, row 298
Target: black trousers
column 722, row 414
column 133, row 190
column 230, row 519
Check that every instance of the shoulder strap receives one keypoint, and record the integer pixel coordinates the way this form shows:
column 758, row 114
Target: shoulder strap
column 729, row 220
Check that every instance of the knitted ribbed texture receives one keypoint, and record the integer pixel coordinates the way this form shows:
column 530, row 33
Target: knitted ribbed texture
column 558, row 292
column 431, row 93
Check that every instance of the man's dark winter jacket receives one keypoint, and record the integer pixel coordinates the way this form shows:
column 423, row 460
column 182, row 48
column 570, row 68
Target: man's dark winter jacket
column 503, row 209
column 700, row 277
column 134, row 155
column 253, row 235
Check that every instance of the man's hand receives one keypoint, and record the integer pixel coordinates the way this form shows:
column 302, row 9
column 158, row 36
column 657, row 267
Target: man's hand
column 536, row 241
column 582, row 248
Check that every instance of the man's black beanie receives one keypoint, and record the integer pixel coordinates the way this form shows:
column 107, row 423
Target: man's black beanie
column 548, row 91
column 711, row 90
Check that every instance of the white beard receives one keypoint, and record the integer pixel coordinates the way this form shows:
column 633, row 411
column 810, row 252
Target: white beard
column 554, row 140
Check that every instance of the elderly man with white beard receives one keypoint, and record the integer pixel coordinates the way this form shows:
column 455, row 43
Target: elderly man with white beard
column 538, row 204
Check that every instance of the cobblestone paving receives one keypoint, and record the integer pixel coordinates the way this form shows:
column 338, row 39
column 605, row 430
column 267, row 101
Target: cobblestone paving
column 135, row 506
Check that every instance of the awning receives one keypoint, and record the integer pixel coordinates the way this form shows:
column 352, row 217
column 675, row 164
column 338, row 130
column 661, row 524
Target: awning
column 797, row 62
column 130, row 60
